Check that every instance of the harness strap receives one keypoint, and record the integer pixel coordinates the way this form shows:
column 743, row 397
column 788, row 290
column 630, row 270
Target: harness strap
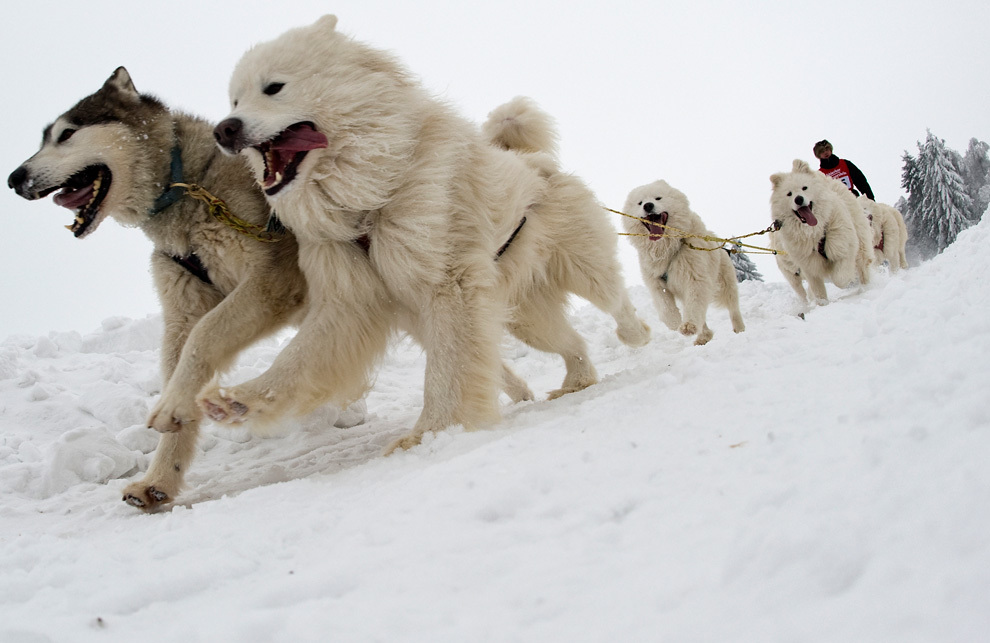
column 880, row 247
column 505, row 246
column 173, row 192
column 194, row 265
column 821, row 248
column 364, row 242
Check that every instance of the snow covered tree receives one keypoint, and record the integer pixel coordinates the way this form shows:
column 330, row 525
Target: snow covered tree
column 745, row 268
column 938, row 204
column 976, row 176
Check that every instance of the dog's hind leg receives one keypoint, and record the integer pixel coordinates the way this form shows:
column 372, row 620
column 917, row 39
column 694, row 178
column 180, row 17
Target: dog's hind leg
column 598, row 278
column 514, row 386
column 729, row 295
column 541, row 322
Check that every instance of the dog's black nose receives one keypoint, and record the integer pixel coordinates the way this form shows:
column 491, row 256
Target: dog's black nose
column 17, row 178
column 648, row 206
column 799, row 200
column 228, row 134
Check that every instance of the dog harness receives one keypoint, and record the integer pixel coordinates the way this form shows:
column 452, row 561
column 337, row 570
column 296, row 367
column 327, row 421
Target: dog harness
column 194, row 265
column 512, row 237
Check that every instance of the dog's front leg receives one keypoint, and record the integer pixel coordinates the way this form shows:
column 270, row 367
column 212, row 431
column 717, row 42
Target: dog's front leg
column 696, row 314
column 460, row 333
column 340, row 341
column 817, row 287
column 665, row 304
column 164, row 478
column 185, row 300
column 253, row 310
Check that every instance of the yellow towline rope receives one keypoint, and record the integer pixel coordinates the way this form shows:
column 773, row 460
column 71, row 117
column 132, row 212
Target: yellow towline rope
column 222, row 213
column 681, row 234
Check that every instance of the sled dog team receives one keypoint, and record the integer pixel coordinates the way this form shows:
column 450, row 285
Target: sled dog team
column 394, row 215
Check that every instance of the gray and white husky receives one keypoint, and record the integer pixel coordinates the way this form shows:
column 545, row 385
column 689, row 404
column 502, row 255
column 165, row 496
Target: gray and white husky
column 118, row 153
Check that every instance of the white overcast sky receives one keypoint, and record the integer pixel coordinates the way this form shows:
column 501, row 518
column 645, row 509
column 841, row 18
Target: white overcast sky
column 713, row 96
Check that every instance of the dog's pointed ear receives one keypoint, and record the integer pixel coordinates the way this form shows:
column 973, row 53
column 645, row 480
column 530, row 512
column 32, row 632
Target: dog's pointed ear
column 775, row 179
column 120, row 81
column 327, row 23
column 801, row 166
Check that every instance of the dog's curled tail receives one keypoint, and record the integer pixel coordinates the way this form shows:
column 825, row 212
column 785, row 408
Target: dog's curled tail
column 521, row 126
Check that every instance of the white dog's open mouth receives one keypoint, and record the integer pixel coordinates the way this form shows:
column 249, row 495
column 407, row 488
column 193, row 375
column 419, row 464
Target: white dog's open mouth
column 284, row 153
column 83, row 192
column 805, row 214
column 655, row 223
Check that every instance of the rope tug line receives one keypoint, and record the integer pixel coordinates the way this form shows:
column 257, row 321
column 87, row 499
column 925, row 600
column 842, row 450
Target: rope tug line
column 681, row 234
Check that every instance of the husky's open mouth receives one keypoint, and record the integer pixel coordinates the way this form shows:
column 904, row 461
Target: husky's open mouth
column 655, row 222
column 285, row 152
column 83, row 192
column 805, row 214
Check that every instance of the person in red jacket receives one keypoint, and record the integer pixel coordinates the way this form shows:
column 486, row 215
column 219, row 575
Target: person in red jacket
column 842, row 169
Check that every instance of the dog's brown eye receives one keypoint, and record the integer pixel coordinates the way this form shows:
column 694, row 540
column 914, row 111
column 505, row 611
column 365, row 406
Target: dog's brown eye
column 273, row 88
column 805, row 187
column 789, row 193
column 640, row 203
column 658, row 198
column 66, row 134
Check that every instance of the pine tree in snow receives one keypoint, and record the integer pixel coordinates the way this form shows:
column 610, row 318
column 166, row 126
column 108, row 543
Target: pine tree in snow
column 745, row 268
column 976, row 176
column 938, row 202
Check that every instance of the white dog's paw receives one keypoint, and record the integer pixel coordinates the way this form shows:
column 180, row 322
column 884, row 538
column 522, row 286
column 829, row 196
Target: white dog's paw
column 704, row 336
column 148, row 496
column 688, row 329
column 636, row 336
column 167, row 417
column 408, row 441
column 223, row 406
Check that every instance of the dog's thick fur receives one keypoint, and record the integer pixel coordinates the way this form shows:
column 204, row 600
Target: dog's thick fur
column 823, row 232
column 111, row 155
column 672, row 270
column 401, row 208
column 889, row 233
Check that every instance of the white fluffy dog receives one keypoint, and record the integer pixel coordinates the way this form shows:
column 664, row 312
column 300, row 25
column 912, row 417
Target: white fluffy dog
column 409, row 218
column 672, row 269
column 822, row 230
column 889, row 233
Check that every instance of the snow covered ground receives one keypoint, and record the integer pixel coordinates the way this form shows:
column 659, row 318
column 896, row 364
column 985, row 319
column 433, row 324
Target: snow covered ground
column 816, row 479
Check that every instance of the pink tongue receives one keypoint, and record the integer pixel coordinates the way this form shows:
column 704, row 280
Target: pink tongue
column 809, row 218
column 299, row 139
column 74, row 199
column 657, row 229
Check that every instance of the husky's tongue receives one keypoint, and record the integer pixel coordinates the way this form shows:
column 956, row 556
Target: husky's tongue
column 805, row 214
column 74, row 199
column 301, row 137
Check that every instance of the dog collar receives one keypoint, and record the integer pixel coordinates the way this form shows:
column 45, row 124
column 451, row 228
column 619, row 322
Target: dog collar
column 173, row 192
